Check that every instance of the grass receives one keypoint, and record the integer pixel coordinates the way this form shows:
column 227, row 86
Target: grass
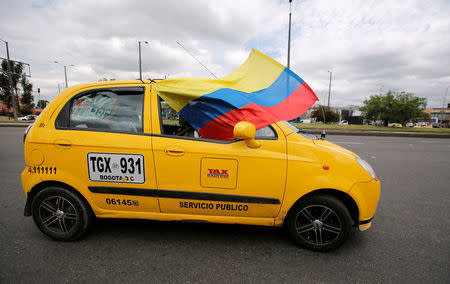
column 354, row 127
column 7, row 119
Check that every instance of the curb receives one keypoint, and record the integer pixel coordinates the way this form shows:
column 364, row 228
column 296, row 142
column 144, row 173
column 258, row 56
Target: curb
column 379, row 133
column 14, row 124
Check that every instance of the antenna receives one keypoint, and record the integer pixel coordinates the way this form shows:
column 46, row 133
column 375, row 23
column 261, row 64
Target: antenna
column 196, row 59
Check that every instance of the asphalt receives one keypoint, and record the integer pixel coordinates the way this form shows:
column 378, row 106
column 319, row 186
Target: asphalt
column 409, row 241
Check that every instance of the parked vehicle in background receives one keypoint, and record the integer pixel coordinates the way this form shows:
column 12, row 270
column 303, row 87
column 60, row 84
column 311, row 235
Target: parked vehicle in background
column 395, row 124
column 305, row 121
column 28, row 117
column 345, row 122
column 409, row 124
column 376, row 123
column 423, row 125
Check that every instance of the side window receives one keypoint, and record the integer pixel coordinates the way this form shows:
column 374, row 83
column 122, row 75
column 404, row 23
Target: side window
column 173, row 124
column 118, row 110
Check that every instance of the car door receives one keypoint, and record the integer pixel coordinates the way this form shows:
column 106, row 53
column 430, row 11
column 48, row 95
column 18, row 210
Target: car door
column 100, row 144
column 210, row 177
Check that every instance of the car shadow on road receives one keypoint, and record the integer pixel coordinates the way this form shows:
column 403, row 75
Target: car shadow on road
column 148, row 230
column 114, row 230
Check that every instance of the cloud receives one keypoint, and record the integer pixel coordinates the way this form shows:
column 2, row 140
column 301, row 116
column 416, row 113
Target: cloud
column 370, row 46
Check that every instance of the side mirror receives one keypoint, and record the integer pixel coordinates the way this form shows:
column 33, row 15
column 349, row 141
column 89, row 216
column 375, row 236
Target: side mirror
column 245, row 130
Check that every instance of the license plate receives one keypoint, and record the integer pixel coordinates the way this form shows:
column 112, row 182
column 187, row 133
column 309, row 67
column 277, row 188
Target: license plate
column 120, row 168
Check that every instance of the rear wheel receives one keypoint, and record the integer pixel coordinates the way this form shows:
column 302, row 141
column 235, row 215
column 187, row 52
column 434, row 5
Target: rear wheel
column 61, row 214
column 320, row 223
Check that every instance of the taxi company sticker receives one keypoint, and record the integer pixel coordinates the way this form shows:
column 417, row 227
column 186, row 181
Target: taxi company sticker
column 217, row 173
column 121, row 168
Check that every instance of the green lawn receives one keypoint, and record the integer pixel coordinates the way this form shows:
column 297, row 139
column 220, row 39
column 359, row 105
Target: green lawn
column 7, row 119
column 355, row 127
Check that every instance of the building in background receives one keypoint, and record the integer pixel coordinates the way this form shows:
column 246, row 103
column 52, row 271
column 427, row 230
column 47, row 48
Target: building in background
column 440, row 117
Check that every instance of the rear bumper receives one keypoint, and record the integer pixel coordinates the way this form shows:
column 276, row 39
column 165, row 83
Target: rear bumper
column 28, row 181
column 27, row 209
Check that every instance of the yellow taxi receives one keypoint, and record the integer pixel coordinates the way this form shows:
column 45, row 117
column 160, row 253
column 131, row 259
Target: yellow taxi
column 395, row 125
column 117, row 150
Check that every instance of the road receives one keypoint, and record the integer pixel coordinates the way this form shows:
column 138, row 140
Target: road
column 409, row 241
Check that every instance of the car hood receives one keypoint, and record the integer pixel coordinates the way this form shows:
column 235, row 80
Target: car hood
column 331, row 146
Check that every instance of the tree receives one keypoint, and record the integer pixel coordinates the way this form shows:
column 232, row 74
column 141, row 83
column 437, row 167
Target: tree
column 6, row 92
column 42, row 104
column 18, row 76
column 27, row 109
column 393, row 107
column 27, row 95
column 319, row 112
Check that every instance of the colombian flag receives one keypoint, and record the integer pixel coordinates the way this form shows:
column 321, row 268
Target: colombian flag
column 260, row 91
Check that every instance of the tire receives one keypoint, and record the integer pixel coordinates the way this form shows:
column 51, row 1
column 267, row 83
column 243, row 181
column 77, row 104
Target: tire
column 320, row 223
column 61, row 214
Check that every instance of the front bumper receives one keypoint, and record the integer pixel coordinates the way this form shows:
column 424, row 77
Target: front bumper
column 366, row 196
column 365, row 225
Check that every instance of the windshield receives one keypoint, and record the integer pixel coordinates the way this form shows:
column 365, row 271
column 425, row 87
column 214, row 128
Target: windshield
column 292, row 127
column 299, row 131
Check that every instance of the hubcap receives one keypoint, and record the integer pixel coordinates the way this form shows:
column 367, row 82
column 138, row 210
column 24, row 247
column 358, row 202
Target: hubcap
column 318, row 224
column 58, row 214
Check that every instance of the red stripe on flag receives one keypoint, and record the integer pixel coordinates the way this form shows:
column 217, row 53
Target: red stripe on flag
column 292, row 107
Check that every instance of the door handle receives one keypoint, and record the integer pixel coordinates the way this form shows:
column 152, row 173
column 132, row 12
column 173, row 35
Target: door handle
column 174, row 151
column 63, row 143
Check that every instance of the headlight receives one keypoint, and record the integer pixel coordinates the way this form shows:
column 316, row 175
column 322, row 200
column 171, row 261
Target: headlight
column 367, row 167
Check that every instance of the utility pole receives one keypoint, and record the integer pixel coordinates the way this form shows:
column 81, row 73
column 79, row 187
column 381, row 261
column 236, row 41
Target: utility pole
column 65, row 72
column 140, row 60
column 10, row 72
column 65, row 75
column 329, row 88
column 289, row 36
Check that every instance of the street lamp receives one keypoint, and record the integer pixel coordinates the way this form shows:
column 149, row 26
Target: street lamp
column 65, row 71
column 140, row 60
column 329, row 88
column 10, row 79
column 289, row 36
column 445, row 97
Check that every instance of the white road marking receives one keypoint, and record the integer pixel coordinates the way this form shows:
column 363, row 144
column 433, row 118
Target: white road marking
column 434, row 141
column 356, row 143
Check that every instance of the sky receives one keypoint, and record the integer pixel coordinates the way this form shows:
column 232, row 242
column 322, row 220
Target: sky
column 369, row 46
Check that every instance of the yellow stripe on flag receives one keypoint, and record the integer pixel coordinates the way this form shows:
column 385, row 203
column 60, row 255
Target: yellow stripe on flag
column 258, row 72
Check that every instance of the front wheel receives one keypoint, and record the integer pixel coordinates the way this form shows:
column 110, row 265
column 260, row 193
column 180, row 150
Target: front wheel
column 320, row 223
column 61, row 214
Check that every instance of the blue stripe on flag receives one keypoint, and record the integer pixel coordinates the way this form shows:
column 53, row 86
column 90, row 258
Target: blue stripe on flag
column 200, row 111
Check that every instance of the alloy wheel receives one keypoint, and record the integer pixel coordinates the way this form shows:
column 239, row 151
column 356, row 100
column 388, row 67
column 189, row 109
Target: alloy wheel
column 318, row 224
column 58, row 214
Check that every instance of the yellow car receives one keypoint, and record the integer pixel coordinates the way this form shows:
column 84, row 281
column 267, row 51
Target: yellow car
column 116, row 150
column 423, row 125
